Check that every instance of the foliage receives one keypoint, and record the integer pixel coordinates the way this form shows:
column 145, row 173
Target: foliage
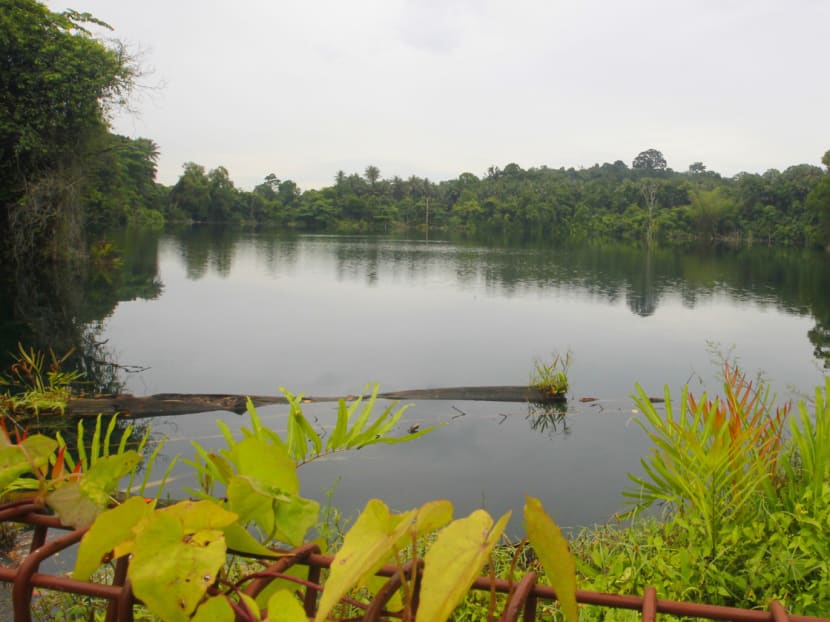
column 77, row 488
column 650, row 159
column 57, row 85
column 775, row 555
column 179, row 567
column 712, row 460
column 179, row 551
column 35, row 384
column 746, row 509
column 551, row 377
column 62, row 172
column 258, row 473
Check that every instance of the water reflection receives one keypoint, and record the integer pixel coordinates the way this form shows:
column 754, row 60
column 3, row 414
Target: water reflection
column 63, row 306
column 247, row 311
column 549, row 419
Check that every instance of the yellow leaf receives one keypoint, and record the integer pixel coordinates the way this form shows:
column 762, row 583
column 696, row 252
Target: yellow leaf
column 367, row 545
column 283, row 607
column 433, row 515
column 196, row 515
column 111, row 529
column 215, row 609
column 454, row 561
column 552, row 548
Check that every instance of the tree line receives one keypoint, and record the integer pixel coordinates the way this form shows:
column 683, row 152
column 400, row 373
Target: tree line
column 647, row 200
column 63, row 173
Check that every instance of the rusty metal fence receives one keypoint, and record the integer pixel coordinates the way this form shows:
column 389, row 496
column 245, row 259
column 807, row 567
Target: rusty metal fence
column 522, row 597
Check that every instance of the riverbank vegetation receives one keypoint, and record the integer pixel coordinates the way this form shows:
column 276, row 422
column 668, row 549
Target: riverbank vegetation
column 63, row 173
column 741, row 482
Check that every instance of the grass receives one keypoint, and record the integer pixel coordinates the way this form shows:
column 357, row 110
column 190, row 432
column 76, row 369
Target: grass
column 551, row 377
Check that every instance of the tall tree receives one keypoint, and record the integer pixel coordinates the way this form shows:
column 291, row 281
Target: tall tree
column 372, row 175
column 56, row 85
column 650, row 160
column 818, row 203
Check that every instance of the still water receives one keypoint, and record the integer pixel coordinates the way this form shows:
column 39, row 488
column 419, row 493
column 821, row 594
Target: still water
column 222, row 311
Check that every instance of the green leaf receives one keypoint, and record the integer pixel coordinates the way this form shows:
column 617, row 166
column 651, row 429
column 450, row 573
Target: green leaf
column 239, row 540
column 552, row 548
column 102, row 478
column 278, row 514
column 283, row 607
column 215, row 609
column 266, row 463
column 171, row 568
column 298, row 571
column 32, row 453
column 454, row 561
column 368, row 544
column 109, row 530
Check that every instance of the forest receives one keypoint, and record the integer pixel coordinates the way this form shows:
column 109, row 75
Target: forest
column 64, row 174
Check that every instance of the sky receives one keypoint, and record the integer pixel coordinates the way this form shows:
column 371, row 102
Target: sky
column 435, row 88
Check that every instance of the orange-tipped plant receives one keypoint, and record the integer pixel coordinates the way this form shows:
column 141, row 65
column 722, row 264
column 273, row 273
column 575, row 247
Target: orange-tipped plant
column 714, row 459
column 753, row 423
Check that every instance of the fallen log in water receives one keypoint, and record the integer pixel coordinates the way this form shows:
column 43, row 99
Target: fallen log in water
column 167, row 404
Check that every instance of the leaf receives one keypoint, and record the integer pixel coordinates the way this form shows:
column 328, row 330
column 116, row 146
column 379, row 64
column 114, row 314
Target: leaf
column 552, row 548
column 109, row 530
column 277, row 514
column 454, row 561
column 215, row 609
column 250, row 604
column 433, row 515
column 171, row 569
column 283, row 607
column 240, row 541
column 72, row 506
column 266, row 463
column 102, row 478
column 197, row 515
column 367, row 545
column 299, row 571
column 32, row 453
column 294, row 517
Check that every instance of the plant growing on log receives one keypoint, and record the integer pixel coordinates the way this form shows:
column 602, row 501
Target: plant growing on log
column 551, row 377
column 35, row 385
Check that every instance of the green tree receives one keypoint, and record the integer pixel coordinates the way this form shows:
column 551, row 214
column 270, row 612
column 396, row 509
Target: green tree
column 121, row 185
column 191, row 194
column 818, row 203
column 57, row 84
column 650, row 160
column 224, row 197
column 372, row 175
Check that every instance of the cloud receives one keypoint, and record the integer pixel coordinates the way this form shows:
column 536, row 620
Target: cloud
column 437, row 26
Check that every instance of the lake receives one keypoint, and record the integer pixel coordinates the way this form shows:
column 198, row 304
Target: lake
column 217, row 310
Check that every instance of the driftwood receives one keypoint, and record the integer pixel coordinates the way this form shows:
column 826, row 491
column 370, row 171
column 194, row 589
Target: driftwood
column 166, row 404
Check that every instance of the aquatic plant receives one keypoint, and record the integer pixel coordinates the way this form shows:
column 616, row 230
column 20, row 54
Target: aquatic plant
column 551, row 377
column 36, row 385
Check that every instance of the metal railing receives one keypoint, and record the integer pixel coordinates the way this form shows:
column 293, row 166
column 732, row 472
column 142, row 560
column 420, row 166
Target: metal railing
column 522, row 597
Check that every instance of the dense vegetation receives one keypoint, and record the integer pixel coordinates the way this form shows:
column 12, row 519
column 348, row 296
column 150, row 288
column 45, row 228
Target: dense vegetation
column 645, row 200
column 62, row 172
column 742, row 481
column 61, row 169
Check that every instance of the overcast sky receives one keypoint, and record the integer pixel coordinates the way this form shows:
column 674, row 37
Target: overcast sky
column 434, row 88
